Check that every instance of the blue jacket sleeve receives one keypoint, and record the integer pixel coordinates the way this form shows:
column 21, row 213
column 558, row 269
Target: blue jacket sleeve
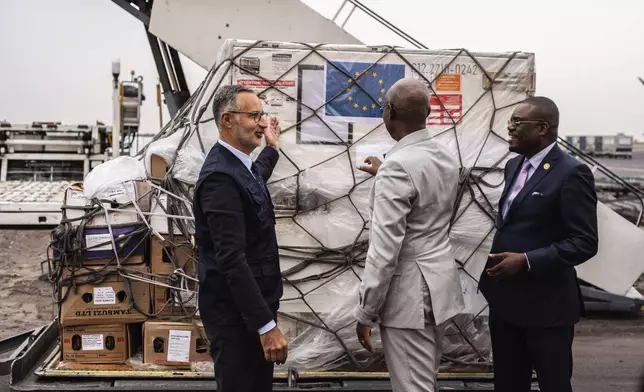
column 266, row 162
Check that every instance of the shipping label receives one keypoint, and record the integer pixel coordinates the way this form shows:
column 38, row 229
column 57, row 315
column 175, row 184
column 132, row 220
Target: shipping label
column 77, row 195
column 249, row 65
column 92, row 342
column 446, row 109
column 119, row 193
column 178, row 346
column 448, row 82
column 92, row 240
column 509, row 81
column 281, row 63
column 104, row 296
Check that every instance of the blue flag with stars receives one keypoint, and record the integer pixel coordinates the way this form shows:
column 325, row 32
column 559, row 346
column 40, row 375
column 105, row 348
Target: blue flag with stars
column 343, row 96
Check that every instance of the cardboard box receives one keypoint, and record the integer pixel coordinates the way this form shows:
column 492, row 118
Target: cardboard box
column 113, row 343
column 160, row 222
column 158, row 167
column 175, row 344
column 161, row 264
column 129, row 261
column 75, row 205
column 105, row 302
column 162, row 257
column 163, row 296
column 159, row 205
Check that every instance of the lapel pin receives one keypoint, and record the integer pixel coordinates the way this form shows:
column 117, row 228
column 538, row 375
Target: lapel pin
column 546, row 166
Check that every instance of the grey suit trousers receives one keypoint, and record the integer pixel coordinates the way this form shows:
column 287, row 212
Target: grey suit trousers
column 413, row 355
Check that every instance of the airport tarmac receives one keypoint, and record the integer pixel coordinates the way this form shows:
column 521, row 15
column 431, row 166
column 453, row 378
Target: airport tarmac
column 609, row 353
column 627, row 168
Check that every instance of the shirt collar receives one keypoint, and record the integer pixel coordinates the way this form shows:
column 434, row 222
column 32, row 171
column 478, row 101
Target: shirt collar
column 244, row 158
column 537, row 158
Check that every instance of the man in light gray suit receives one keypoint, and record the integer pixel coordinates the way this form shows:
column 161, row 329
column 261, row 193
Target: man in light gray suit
column 410, row 285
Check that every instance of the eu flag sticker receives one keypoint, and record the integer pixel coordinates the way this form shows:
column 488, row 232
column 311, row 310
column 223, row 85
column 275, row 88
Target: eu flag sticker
column 366, row 97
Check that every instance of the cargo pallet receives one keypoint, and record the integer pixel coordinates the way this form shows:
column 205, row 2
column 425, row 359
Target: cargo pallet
column 26, row 364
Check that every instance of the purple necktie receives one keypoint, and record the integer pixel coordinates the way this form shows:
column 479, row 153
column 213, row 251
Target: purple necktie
column 518, row 184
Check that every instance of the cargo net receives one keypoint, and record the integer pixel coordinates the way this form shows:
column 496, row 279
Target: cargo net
column 321, row 198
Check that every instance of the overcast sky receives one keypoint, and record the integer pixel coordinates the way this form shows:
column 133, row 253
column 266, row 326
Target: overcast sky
column 56, row 55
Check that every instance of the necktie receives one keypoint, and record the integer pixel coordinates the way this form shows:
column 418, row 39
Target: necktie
column 518, row 184
column 258, row 178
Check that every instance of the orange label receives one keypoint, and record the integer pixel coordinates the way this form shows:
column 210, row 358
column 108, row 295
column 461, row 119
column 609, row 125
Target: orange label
column 448, row 82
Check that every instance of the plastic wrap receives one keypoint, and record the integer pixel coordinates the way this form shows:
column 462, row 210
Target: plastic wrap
column 329, row 126
column 165, row 147
column 188, row 165
column 112, row 173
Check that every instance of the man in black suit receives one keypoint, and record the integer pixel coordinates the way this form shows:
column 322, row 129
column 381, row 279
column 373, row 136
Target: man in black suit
column 240, row 283
column 546, row 225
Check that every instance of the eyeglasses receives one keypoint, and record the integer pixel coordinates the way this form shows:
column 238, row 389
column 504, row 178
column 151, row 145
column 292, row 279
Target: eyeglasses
column 515, row 123
column 256, row 116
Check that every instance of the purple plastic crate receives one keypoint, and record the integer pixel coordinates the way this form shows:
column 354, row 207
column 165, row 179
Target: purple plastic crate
column 94, row 236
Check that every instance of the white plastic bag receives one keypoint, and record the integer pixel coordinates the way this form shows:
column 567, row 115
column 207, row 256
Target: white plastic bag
column 188, row 165
column 166, row 148
column 112, row 173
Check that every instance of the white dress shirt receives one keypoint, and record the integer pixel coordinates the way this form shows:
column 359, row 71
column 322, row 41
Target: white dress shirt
column 535, row 161
column 247, row 161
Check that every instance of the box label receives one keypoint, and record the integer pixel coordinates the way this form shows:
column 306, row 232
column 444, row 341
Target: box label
column 178, row 346
column 119, row 193
column 91, row 240
column 448, row 82
column 92, row 342
column 446, row 109
column 104, row 296
column 77, row 195
column 509, row 81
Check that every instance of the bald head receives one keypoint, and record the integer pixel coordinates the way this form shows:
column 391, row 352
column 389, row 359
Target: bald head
column 408, row 107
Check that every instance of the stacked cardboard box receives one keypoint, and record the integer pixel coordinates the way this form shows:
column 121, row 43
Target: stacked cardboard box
column 103, row 295
column 141, row 298
column 176, row 344
column 166, row 341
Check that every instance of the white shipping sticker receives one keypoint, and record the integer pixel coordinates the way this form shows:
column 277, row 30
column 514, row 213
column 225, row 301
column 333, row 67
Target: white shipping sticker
column 178, row 346
column 77, row 195
column 104, row 296
column 163, row 199
column 188, row 298
column 91, row 240
column 92, row 342
column 117, row 193
column 157, row 205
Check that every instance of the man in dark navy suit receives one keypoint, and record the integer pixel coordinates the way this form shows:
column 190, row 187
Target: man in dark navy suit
column 240, row 283
column 546, row 225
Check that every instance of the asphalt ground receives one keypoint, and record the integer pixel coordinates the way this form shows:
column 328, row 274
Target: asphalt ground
column 626, row 168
